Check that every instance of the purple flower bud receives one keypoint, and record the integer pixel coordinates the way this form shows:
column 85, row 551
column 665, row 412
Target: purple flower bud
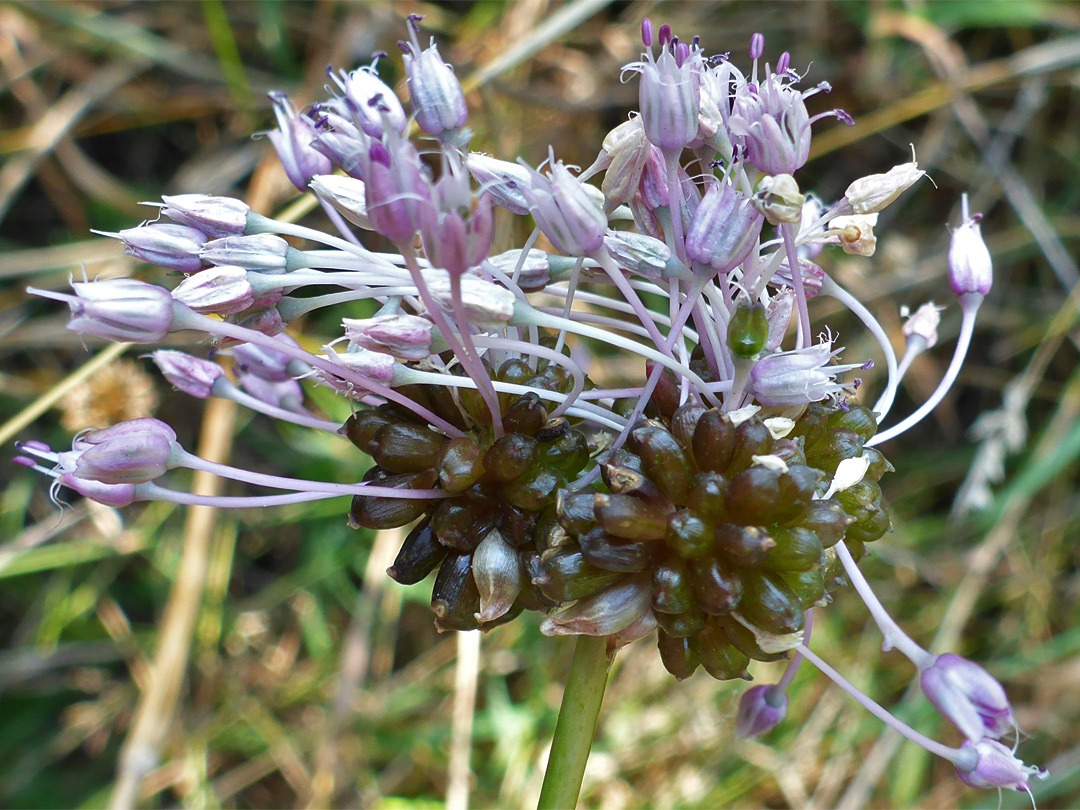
column 127, row 453
column 503, row 180
column 120, row 309
column 266, row 363
column 260, row 252
column 761, row 709
column 724, row 228
column 396, row 186
column 216, row 290
column 457, row 229
column 215, row 216
column 370, row 101
column 114, row 495
column 971, row 270
column 437, row 98
column 292, row 142
column 565, row 212
column 166, row 245
column 670, row 96
column 342, row 143
column 997, row 767
column 192, row 375
column 797, row 377
column 969, row 696
column 287, row 394
column 405, row 337
column 346, row 194
column 638, row 254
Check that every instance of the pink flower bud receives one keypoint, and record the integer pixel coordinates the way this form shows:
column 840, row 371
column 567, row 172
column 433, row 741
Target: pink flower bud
column 405, row 337
column 761, row 709
column 214, row 216
column 120, row 309
column 969, row 696
column 565, row 211
column 971, row 270
column 724, row 228
column 127, row 453
column 437, row 98
column 997, row 767
column 292, row 142
column 216, row 290
column 166, row 245
column 192, row 375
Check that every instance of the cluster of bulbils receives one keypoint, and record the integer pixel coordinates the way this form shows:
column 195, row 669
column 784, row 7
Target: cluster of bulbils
column 717, row 502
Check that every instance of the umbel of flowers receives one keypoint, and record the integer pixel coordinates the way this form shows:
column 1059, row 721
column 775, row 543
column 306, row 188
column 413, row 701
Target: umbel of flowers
column 715, row 503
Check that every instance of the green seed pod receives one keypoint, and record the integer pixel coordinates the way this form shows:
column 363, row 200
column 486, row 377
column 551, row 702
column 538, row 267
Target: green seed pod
column 744, row 546
column 565, row 576
column 389, row 513
column 516, row 371
column 663, row 461
column 671, row 589
column 629, row 517
column 813, row 422
column 707, row 495
column 713, row 442
column 461, row 464
column 526, row 415
column 797, row 488
column 460, row 524
column 455, row 598
column 576, row 511
column 717, row 655
column 418, row 555
column 361, row 427
column 828, row 520
column 688, row 535
column 768, row 603
column 616, row 554
column 797, row 549
column 677, row 654
column 498, row 577
column 569, row 452
column 879, row 465
column 681, row 625
column 753, row 496
column 406, row 448
column 748, row 330
column 858, row 418
column 516, row 525
column 685, row 421
column 743, row 640
column 752, row 438
column 717, row 586
column 509, row 457
column 790, row 451
column 830, row 448
column 443, row 403
column 535, row 489
column 666, row 394
column 809, row 586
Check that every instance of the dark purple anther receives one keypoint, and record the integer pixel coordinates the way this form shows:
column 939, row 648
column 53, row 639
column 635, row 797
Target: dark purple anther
column 646, row 32
column 757, row 46
column 783, row 63
column 664, row 36
column 379, row 153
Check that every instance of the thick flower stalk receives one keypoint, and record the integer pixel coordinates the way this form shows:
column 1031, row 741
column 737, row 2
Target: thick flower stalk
column 713, row 502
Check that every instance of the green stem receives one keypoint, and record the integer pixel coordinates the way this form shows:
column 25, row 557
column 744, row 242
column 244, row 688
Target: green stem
column 576, row 725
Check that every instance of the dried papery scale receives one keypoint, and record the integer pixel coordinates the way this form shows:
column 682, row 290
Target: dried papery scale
column 717, row 497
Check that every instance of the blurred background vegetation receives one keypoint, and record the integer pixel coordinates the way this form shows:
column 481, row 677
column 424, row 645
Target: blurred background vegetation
column 310, row 679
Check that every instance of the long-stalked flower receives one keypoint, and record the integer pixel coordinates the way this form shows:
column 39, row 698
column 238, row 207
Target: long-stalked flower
column 123, row 309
